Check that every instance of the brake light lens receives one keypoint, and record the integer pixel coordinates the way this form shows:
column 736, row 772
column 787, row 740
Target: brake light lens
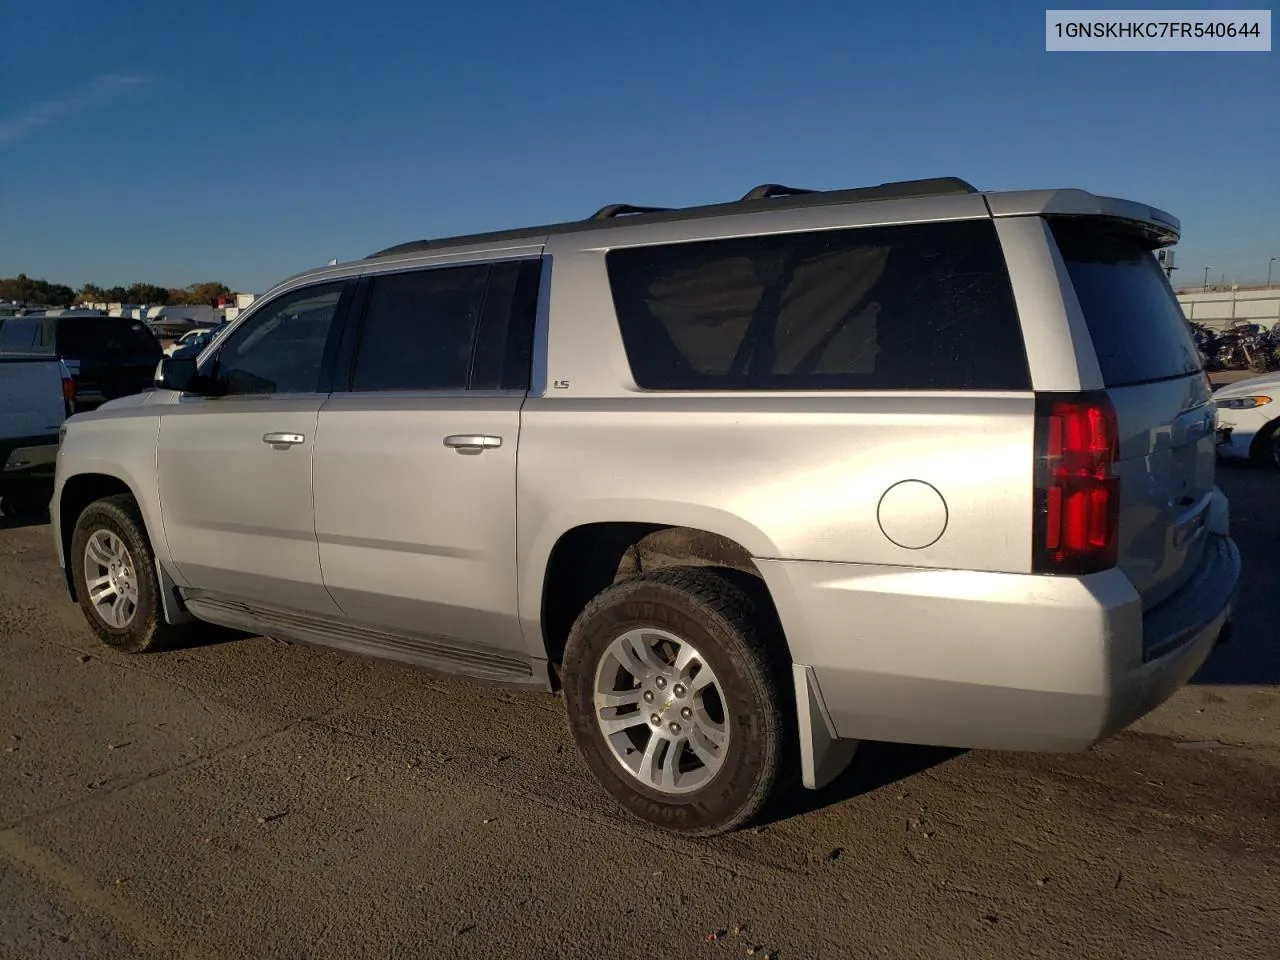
column 69, row 395
column 1077, row 487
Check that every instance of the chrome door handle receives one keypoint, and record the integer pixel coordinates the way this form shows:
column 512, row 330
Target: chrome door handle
column 283, row 439
column 471, row 442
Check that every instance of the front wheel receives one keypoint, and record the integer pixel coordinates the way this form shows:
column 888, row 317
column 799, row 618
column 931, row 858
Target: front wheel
column 1265, row 451
column 675, row 687
column 114, row 572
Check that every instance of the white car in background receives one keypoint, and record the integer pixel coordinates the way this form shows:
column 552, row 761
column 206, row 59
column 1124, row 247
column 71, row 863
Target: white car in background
column 188, row 338
column 1249, row 420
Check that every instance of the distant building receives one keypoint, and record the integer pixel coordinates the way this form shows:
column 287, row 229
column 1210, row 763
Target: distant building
column 1219, row 309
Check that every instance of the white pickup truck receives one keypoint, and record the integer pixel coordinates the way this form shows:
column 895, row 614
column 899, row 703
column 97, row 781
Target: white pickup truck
column 36, row 395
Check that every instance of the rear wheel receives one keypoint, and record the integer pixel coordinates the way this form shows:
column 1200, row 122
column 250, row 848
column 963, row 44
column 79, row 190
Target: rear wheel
column 677, row 698
column 114, row 572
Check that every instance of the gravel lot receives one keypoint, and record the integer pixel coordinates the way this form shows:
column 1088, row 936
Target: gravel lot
column 253, row 799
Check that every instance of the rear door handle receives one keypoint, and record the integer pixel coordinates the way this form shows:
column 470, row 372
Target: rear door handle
column 471, row 442
column 283, row 439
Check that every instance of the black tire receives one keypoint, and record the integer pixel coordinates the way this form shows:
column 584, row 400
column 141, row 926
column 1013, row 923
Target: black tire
column 728, row 617
column 147, row 629
column 1265, row 451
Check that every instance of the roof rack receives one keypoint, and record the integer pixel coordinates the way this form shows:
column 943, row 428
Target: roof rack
column 614, row 210
column 767, row 191
column 412, row 246
column 771, row 196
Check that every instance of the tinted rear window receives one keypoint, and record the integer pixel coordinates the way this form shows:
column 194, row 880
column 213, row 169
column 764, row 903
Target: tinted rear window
column 917, row 307
column 106, row 337
column 1138, row 329
column 20, row 335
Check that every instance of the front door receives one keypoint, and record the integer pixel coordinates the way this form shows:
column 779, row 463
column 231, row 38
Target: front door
column 415, row 488
column 235, row 467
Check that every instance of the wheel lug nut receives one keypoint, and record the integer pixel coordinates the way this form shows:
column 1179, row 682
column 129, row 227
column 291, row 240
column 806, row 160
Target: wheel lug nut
column 648, row 696
column 656, row 720
column 687, row 713
column 678, row 690
column 661, row 682
column 675, row 728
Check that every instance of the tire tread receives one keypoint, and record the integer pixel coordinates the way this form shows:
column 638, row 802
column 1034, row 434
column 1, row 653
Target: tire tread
column 737, row 600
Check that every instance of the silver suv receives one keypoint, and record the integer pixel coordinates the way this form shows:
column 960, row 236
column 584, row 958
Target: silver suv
column 747, row 483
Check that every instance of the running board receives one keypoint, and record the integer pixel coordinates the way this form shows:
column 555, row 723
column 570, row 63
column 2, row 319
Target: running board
column 442, row 654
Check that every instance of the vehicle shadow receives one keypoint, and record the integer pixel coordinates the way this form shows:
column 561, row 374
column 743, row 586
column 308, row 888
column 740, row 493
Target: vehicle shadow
column 202, row 634
column 1251, row 654
column 21, row 520
column 875, row 765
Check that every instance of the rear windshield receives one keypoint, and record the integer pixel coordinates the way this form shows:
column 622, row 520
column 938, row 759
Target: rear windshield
column 913, row 307
column 21, row 335
column 105, row 336
column 1138, row 329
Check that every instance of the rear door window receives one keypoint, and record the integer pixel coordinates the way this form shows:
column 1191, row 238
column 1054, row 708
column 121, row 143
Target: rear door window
column 419, row 329
column 912, row 307
column 105, row 337
column 1137, row 326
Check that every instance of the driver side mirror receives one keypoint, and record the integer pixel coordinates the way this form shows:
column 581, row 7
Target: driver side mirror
column 181, row 374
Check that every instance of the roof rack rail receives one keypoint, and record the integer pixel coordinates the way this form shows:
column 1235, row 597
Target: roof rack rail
column 884, row 191
column 767, row 191
column 767, row 196
column 615, row 210
column 413, row 246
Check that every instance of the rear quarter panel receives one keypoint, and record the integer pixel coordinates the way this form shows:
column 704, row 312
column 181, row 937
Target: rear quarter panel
column 787, row 476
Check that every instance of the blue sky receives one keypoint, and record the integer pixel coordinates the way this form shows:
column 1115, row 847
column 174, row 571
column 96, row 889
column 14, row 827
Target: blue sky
column 243, row 141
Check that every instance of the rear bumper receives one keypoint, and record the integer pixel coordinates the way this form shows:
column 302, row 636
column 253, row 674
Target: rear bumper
column 996, row 661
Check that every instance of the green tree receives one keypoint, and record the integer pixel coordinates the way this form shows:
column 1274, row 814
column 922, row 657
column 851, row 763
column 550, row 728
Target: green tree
column 147, row 293
column 92, row 293
column 197, row 293
column 116, row 294
column 27, row 290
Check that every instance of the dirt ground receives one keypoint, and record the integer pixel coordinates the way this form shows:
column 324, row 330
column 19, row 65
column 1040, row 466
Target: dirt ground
column 253, row 799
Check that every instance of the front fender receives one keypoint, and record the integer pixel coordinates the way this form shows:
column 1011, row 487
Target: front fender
column 120, row 447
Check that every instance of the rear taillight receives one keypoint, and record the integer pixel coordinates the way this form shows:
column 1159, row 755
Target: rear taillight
column 69, row 395
column 1077, row 489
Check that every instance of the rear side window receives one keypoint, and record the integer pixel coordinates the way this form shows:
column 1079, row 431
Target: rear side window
column 85, row 337
column 914, row 307
column 1138, row 329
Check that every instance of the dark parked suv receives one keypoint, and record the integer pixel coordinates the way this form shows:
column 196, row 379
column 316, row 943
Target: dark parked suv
column 108, row 357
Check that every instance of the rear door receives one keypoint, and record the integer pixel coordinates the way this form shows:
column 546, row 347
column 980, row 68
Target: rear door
column 1152, row 373
column 415, row 463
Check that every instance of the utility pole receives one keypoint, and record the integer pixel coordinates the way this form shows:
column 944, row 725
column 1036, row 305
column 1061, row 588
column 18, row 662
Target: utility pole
column 1206, row 277
column 1270, row 264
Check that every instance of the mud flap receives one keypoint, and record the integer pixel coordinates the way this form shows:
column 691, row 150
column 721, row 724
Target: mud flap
column 823, row 755
column 175, row 611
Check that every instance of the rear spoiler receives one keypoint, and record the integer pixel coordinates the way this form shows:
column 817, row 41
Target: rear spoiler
column 1160, row 227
